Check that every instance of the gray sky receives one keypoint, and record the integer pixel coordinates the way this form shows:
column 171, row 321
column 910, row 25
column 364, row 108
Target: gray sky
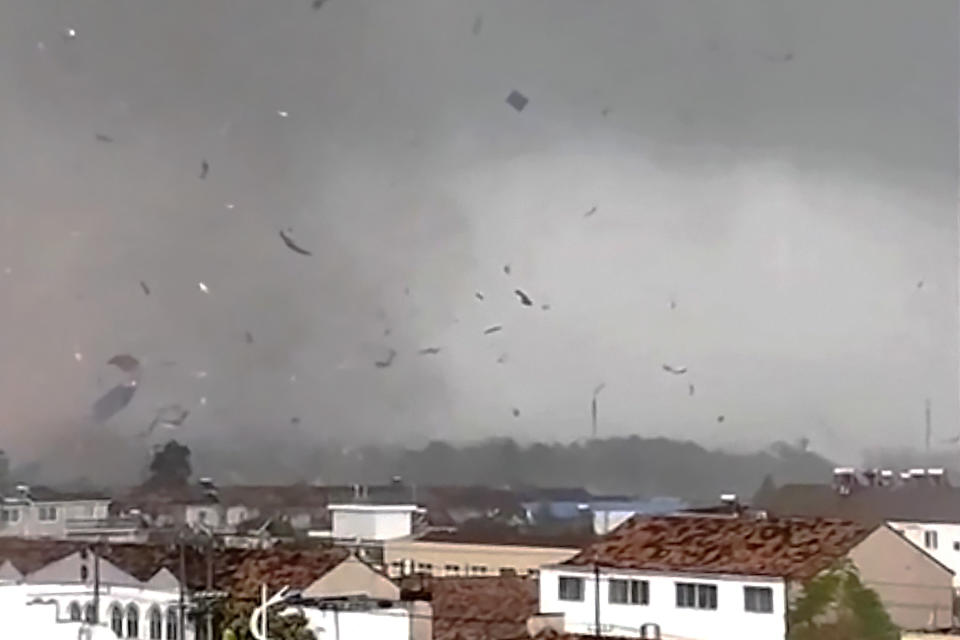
column 786, row 172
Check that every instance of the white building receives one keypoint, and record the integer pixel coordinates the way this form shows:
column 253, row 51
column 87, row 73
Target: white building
column 372, row 522
column 699, row 577
column 62, row 595
column 39, row 512
column 940, row 539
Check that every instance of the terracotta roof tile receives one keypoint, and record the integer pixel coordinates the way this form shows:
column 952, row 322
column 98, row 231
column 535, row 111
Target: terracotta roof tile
column 794, row 547
column 494, row 608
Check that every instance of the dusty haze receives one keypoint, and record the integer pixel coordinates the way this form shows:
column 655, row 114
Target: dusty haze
column 785, row 172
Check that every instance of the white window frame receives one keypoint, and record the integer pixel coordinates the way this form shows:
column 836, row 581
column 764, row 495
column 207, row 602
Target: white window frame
column 757, row 599
column 704, row 596
column 48, row 513
column 930, row 539
column 633, row 592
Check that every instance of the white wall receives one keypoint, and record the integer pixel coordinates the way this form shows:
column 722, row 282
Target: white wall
column 381, row 524
column 30, row 525
column 382, row 624
column 729, row 620
column 947, row 550
column 606, row 521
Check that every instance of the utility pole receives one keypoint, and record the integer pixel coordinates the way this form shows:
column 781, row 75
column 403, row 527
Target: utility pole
column 209, row 615
column 596, row 599
column 181, row 615
column 928, row 423
column 96, row 586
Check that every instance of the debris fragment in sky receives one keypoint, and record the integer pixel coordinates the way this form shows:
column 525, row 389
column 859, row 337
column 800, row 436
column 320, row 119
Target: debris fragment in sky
column 545, row 307
column 113, row 401
column 592, row 211
column 294, row 420
column 605, row 112
column 593, row 406
column 477, row 24
column 293, row 246
column 492, row 329
column 146, row 289
column 678, row 371
column 248, row 337
column 429, row 351
column 125, row 362
column 169, row 417
column 203, row 400
column 283, row 114
column 720, row 418
column 506, row 269
column 673, row 304
column 382, row 364
column 70, row 34
column 920, row 284
column 199, row 375
column 517, row 100
column 524, row 298
column 203, row 287
column 516, row 412
column 478, row 295
column 204, row 169
column 102, row 137
column 317, row 4
column 229, row 205
column 503, row 358
column 691, row 389
column 78, row 356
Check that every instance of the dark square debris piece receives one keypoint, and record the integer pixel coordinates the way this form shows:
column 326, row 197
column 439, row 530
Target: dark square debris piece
column 517, row 100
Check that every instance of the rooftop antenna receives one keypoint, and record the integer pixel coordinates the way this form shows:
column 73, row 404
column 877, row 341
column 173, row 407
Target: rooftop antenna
column 593, row 407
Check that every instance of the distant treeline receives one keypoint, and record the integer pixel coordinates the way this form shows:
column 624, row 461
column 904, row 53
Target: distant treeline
column 634, row 465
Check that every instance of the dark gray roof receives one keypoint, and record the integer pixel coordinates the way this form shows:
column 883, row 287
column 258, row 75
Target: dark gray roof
column 871, row 505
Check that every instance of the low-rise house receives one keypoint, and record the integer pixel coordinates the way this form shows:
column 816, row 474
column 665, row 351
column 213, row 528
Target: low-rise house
column 919, row 503
column 42, row 512
column 487, row 551
column 699, row 577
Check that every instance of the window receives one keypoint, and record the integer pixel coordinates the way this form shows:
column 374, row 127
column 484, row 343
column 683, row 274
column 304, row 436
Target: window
column 89, row 613
column 629, row 592
column 10, row 515
column 696, row 596
column 75, row 613
column 451, row 569
column 116, row 620
column 133, row 621
column 758, row 599
column 425, row 567
column 47, row 514
column 571, row 588
column 930, row 539
column 155, row 621
column 478, row 570
column 173, row 624
column 956, row 545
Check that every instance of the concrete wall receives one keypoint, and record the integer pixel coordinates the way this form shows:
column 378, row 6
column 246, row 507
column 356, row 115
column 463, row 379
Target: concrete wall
column 728, row 620
column 944, row 545
column 372, row 523
column 381, row 624
column 915, row 589
column 442, row 556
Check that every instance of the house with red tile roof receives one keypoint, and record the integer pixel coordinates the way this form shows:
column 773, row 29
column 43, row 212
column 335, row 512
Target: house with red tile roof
column 711, row 577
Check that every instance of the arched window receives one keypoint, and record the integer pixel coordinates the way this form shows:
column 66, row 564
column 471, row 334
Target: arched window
column 89, row 613
column 155, row 621
column 116, row 620
column 133, row 621
column 173, row 624
column 75, row 612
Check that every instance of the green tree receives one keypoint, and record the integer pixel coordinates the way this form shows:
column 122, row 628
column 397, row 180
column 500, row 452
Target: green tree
column 233, row 616
column 836, row 605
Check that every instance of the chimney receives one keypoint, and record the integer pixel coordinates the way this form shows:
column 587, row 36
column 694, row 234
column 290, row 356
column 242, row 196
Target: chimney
column 886, row 478
column 938, row 477
column 730, row 503
column 917, row 476
column 843, row 480
column 207, row 483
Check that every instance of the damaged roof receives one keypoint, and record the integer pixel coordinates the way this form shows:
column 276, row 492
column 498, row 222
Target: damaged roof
column 787, row 547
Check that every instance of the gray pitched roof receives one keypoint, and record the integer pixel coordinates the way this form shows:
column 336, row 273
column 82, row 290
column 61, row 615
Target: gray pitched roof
column 70, row 570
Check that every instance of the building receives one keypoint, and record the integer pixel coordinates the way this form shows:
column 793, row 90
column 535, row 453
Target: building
column 41, row 512
column 372, row 522
column 919, row 503
column 700, row 576
column 472, row 552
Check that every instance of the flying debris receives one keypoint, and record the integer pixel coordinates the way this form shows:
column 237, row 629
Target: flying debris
column 506, row 269
column 382, row 364
column 429, row 351
column 125, row 362
column 478, row 295
column 78, row 356
column 495, row 328
column 503, row 358
column 204, row 169
column 248, row 337
column 524, row 298
column 146, row 289
column 113, row 402
column 678, row 371
column 283, row 114
column 605, row 112
column 720, row 418
column 593, row 407
column 295, row 420
column 920, row 285
column 170, row 417
column 102, row 137
column 229, row 205
column 203, row 287
column 592, row 211
column 516, row 412
column 293, row 246
column 317, row 4
column 203, row 400
column 517, row 100
column 691, row 389
column 673, row 304
column 545, row 307
column 70, row 34
column 199, row 375
column 477, row 24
